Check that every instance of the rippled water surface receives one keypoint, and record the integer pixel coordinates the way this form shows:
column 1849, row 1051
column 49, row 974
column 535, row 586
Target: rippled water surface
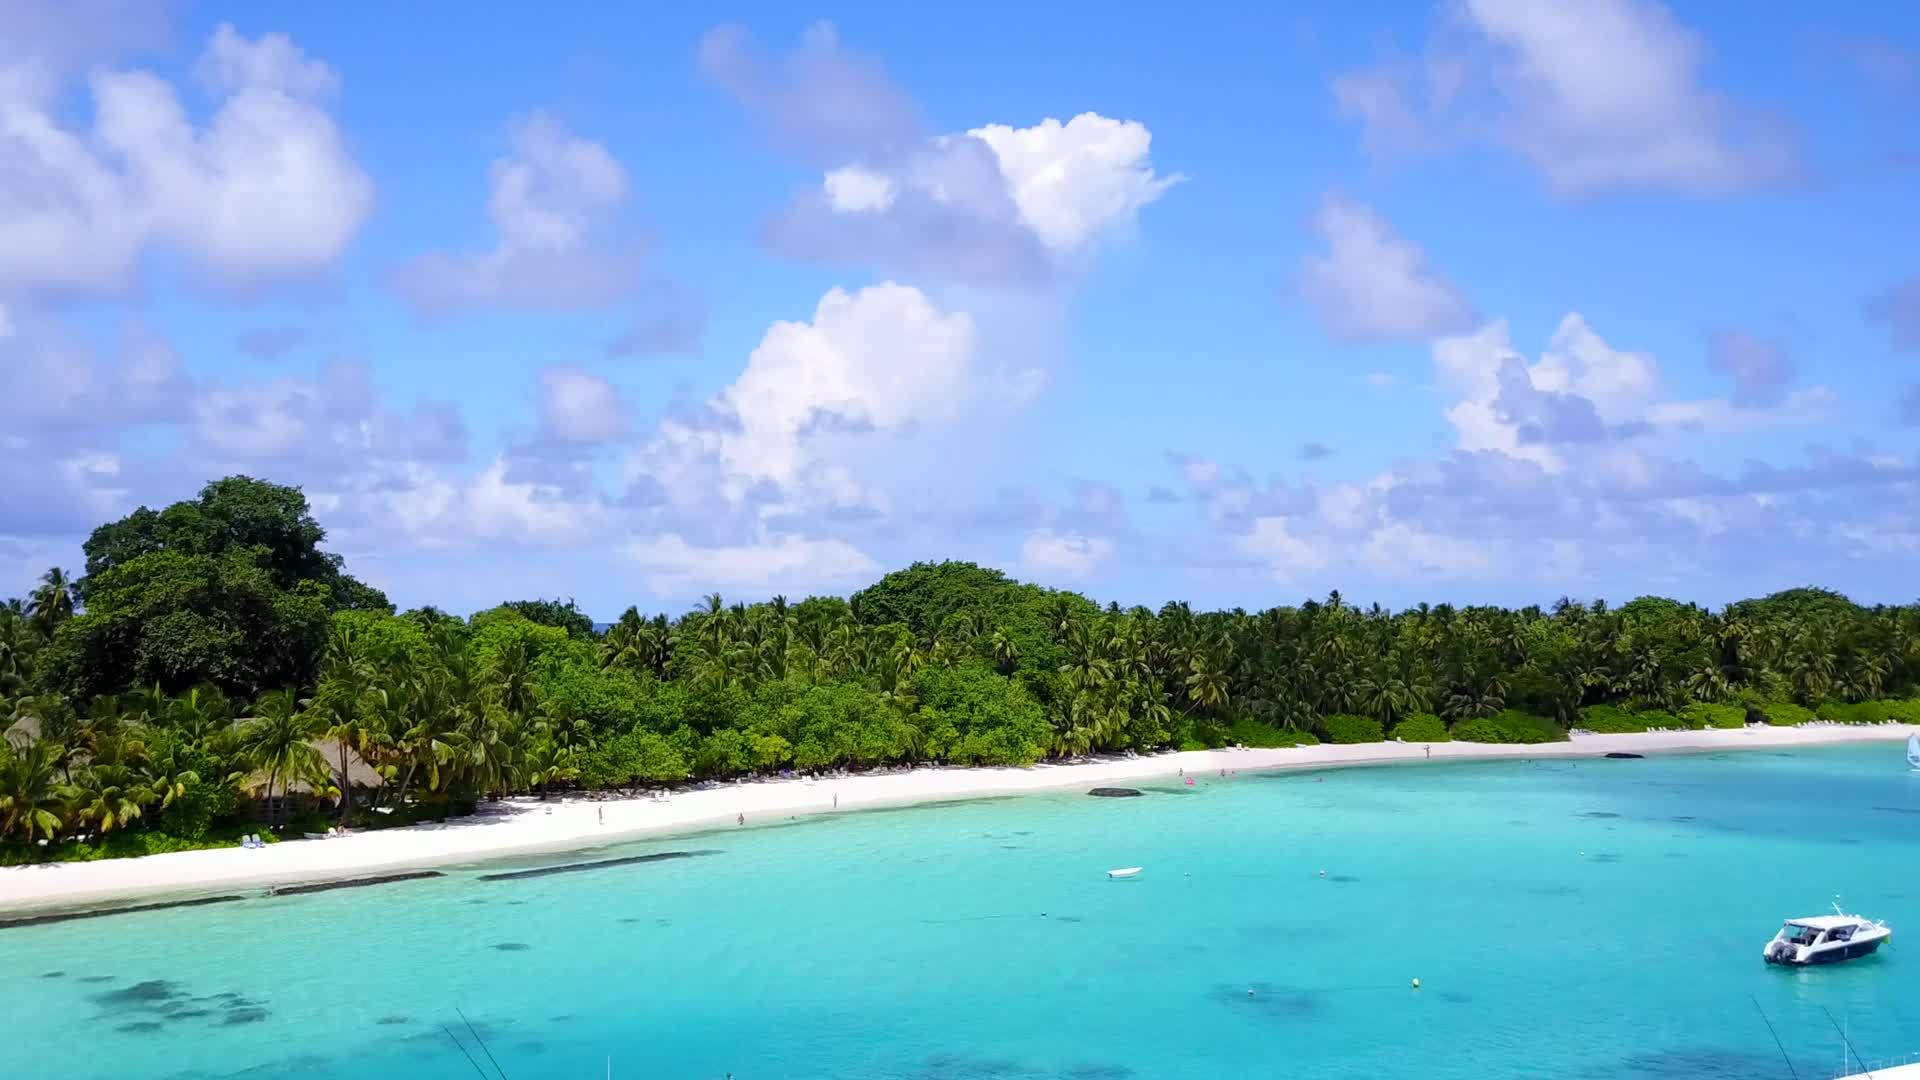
column 1571, row 919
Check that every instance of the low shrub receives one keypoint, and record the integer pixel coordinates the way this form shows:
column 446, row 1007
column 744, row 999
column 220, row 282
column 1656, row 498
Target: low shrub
column 1658, row 720
column 1893, row 711
column 1611, row 720
column 1421, row 728
column 1346, row 728
column 1785, row 713
column 128, row 843
column 1509, row 726
column 1701, row 715
column 1479, row 729
column 1248, row 732
column 1526, row 728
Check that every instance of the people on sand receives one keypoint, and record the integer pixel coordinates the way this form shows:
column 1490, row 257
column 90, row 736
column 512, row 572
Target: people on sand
column 739, row 819
column 1429, row 751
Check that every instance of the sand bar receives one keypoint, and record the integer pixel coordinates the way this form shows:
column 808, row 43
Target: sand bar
column 526, row 826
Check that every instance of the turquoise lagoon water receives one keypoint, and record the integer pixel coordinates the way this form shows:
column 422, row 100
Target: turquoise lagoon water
column 1568, row 919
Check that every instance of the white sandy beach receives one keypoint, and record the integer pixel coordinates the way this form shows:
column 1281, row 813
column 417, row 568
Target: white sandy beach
column 529, row 826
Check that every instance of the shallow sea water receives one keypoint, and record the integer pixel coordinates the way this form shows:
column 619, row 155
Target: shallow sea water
column 1584, row 919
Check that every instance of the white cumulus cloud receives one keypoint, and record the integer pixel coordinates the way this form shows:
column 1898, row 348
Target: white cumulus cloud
column 265, row 188
column 550, row 199
column 1069, row 555
column 1074, row 181
column 1373, row 285
column 580, row 406
column 671, row 566
column 1546, row 82
column 880, row 361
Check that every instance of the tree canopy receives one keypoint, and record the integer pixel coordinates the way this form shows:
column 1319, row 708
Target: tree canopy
column 233, row 514
column 228, row 590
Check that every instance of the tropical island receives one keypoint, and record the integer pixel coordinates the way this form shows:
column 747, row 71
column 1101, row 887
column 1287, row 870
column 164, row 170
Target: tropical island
column 214, row 673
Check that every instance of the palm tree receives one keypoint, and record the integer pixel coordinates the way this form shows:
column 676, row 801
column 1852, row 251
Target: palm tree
column 112, row 792
column 548, row 762
column 1005, row 651
column 166, row 769
column 279, row 739
column 1207, row 684
column 33, row 800
column 52, row 602
column 348, row 701
column 480, row 749
column 511, row 674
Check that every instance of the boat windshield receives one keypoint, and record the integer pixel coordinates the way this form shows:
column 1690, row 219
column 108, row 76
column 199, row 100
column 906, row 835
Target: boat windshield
column 1799, row 935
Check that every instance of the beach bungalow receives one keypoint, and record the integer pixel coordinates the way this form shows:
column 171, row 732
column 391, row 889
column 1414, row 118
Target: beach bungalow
column 298, row 796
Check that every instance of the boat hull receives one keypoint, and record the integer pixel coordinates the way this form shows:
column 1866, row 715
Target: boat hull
column 1852, row 950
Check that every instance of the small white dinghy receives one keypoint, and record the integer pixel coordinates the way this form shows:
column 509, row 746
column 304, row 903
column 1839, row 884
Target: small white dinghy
column 1124, row 872
column 1913, row 752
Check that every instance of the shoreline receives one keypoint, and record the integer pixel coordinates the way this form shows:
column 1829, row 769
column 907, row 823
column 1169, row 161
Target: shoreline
column 526, row 826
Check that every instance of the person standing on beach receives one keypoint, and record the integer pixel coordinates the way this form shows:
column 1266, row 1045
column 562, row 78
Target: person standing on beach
column 602, row 811
column 836, row 800
column 1429, row 751
column 739, row 819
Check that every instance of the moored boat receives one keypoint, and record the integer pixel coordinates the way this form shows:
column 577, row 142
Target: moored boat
column 1825, row 939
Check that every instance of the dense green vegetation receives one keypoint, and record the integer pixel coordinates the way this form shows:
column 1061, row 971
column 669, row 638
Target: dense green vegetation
column 213, row 652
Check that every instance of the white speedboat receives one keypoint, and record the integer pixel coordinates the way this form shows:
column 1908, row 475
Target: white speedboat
column 1124, row 872
column 1825, row 939
column 1913, row 752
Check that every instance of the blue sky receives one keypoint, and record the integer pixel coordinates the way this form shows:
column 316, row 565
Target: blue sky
column 1472, row 301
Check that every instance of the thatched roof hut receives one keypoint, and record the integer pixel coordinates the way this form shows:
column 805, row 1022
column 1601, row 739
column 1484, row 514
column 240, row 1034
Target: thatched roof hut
column 362, row 775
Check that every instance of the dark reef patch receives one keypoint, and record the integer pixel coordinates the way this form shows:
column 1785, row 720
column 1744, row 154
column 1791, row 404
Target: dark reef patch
column 602, row 864
column 390, row 1020
column 150, row 994
column 1690, row 1064
column 141, row 1027
column 511, row 946
column 1115, row 793
column 1269, row 1001
column 69, row 916
column 237, row 1017
column 353, row 883
column 1603, row 814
